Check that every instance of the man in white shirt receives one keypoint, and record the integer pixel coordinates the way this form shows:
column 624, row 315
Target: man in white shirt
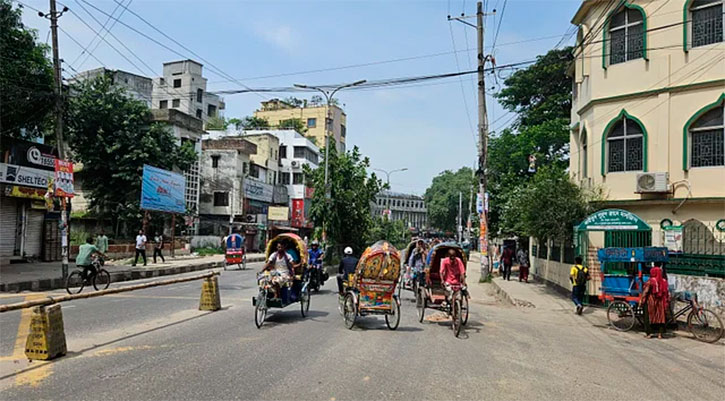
column 283, row 265
column 140, row 247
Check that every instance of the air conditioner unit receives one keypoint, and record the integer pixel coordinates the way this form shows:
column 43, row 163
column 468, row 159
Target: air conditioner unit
column 251, row 218
column 653, row 182
column 295, row 164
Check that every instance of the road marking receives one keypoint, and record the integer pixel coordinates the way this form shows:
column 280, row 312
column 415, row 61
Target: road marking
column 34, row 376
column 24, row 328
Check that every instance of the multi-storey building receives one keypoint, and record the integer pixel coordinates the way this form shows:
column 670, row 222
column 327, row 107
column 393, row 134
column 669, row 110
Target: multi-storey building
column 137, row 86
column 313, row 116
column 411, row 209
column 182, row 87
column 647, row 110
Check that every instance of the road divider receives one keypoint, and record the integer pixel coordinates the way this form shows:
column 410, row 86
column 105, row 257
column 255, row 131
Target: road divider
column 46, row 337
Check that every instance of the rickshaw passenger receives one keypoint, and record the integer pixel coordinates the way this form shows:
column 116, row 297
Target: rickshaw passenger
column 283, row 265
column 452, row 272
column 416, row 262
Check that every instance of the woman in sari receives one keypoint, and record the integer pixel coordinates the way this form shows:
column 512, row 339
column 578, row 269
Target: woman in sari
column 655, row 297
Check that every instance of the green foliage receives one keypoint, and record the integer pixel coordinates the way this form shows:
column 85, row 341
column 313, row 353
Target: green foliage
column 78, row 237
column 293, row 101
column 394, row 232
column 293, row 123
column 206, row 251
column 548, row 207
column 113, row 136
column 249, row 122
column 442, row 198
column 26, row 77
column 347, row 211
column 541, row 92
column 217, row 123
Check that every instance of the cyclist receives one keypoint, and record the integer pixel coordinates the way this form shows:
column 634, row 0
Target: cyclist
column 453, row 273
column 84, row 259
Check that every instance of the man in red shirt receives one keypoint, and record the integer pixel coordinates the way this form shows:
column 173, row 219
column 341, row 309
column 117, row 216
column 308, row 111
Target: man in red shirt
column 453, row 273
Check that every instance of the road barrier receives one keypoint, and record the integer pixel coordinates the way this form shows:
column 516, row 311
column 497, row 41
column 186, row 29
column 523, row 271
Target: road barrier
column 46, row 337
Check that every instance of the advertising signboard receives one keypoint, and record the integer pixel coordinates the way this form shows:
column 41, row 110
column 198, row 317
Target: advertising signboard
column 673, row 238
column 162, row 190
column 258, row 191
column 298, row 212
column 63, row 178
column 24, row 176
column 278, row 213
column 29, row 154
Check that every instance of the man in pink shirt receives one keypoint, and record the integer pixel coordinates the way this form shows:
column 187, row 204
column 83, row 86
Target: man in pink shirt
column 453, row 273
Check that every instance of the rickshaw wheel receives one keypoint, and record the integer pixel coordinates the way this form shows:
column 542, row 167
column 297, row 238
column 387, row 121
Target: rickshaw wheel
column 305, row 301
column 621, row 315
column 464, row 309
column 705, row 326
column 393, row 320
column 243, row 266
column 260, row 309
column 456, row 316
column 349, row 311
column 420, row 304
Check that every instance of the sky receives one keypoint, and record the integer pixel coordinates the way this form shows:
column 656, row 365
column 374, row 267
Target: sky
column 427, row 128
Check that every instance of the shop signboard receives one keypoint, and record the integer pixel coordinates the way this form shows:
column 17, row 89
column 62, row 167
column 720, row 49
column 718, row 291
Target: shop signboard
column 258, row 191
column 30, row 154
column 16, row 191
column 298, row 212
column 24, row 176
column 63, row 178
column 162, row 190
column 613, row 220
column 278, row 213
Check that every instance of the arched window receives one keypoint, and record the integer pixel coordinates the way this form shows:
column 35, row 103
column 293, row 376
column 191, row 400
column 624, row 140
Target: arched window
column 625, row 145
column 584, row 155
column 626, row 35
column 707, row 138
column 705, row 22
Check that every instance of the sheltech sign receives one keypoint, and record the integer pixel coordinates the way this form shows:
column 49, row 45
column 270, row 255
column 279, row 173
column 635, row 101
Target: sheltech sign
column 25, row 176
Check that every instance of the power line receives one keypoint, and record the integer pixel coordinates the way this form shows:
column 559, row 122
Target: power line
column 93, row 39
column 500, row 22
column 460, row 78
column 108, row 30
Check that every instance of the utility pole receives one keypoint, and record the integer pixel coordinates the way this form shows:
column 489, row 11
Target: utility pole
column 482, row 138
column 53, row 16
column 460, row 211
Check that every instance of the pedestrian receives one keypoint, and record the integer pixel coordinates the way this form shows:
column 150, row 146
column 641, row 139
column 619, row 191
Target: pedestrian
column 579, row 275
column 507, row 260
column 655, row 297
column 102, row 242
column 523, row 258
column 158, row 246
column 140, row 248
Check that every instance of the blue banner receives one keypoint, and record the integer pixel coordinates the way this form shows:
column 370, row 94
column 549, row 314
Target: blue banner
column 162, row 190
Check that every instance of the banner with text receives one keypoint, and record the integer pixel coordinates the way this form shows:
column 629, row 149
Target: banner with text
column 162, row 190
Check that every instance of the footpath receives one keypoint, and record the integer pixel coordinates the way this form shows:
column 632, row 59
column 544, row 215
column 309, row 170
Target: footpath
column 18, row 277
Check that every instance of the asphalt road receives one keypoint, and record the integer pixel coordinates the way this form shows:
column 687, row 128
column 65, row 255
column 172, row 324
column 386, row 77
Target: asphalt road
column 154, row 344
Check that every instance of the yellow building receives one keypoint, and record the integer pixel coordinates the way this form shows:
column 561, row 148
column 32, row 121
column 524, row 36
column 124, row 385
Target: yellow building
column 276, row 111
column 647, row 112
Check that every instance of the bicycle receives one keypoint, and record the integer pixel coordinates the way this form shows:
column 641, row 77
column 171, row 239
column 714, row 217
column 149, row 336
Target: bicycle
column 99, row 277
column 457, row 309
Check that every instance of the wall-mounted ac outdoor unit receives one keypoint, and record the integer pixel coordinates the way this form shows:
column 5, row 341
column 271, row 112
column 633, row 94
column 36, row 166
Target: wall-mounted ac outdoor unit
column 295, row 164
column 653, row 183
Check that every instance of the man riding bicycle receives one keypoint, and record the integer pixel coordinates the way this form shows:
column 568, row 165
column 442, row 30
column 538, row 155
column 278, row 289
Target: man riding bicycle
column 453, row 273
column 85, row 258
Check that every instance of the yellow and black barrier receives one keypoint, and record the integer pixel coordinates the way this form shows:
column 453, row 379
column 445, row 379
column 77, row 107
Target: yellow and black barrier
column 210, row 295
column 46, row 339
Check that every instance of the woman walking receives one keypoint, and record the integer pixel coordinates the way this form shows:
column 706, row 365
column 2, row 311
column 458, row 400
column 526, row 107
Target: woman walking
column 655, row 297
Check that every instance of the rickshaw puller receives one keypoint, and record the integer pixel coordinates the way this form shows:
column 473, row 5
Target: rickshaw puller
column 453, row 273
column 347, row 267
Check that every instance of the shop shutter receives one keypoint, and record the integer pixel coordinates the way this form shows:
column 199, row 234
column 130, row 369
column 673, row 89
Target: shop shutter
column 8, row 226
column 34, row 233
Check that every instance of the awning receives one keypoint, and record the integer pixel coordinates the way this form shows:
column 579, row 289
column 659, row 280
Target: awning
column 284, row 228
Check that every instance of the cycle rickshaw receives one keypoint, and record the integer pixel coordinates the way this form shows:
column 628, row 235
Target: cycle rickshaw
column 408, row 281
column 432, row 294
column 234, row 252
column 371, row 290
column 625, row 271
column 295, row 291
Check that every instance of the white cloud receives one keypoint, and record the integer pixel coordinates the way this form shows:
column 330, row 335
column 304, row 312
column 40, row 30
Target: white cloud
column 278, row 35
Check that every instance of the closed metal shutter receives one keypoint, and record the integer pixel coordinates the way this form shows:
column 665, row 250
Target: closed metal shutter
column 8, row 226
column 34, row 233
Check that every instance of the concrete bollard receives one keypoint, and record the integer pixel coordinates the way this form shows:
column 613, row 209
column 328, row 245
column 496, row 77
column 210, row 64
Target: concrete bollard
column 210, row 295
column 46, row 339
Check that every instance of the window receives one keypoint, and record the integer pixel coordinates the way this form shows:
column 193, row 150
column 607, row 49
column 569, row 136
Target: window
column 198, row 113
column 584, row 155
column 707, row 22
column 215, row 161
column 162, row 81
column 177, row 83
column 199, row 95
column 297, row 179
column 343, row 130
column 284, row 178
column 626, row 36
column 312, row 156
column 253, row 170
column 245, row 168
column 163, row 104
column 299, row 152
column 311, row 123
column 625, row 143
column 176, row 103
column 211, row 110
column 707, row 136
column 282, row 152
column 221, row 198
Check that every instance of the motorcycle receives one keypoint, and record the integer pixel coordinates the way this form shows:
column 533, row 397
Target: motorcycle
column 318, row 276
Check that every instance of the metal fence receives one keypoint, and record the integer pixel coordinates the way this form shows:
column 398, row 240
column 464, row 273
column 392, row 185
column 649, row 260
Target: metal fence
column 703, row 250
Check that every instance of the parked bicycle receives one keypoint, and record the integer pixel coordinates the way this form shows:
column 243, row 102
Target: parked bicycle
column 97, row 276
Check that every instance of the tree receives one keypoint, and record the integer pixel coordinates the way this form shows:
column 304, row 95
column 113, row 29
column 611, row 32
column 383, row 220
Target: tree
column 293, row 101
column 394, row 232
column 293, row 123
column 316, row 100
column 218, row 123
column 26, row 77
column 346, row 213
column 442, row 198
column 253, row 122
column 113, row 136
column 542, row 91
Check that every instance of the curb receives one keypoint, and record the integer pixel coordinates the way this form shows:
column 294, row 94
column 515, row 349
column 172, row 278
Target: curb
column 116, row 277
column 500, row 291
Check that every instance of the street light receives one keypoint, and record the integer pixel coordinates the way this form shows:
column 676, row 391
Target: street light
column 387, row 175
column 329, row 93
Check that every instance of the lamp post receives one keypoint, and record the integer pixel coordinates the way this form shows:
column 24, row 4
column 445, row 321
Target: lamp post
column 387, row 176
column 329, row 93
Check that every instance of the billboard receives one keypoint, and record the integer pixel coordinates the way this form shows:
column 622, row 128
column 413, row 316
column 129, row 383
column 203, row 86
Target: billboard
column 162, row 190
column 63, row 178
column 279, row 213
column 258, row 190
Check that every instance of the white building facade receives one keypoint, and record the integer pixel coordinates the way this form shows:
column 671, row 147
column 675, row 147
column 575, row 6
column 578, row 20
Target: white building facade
column 182, row 87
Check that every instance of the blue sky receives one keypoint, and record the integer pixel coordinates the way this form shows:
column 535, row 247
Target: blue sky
column 424, row 128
